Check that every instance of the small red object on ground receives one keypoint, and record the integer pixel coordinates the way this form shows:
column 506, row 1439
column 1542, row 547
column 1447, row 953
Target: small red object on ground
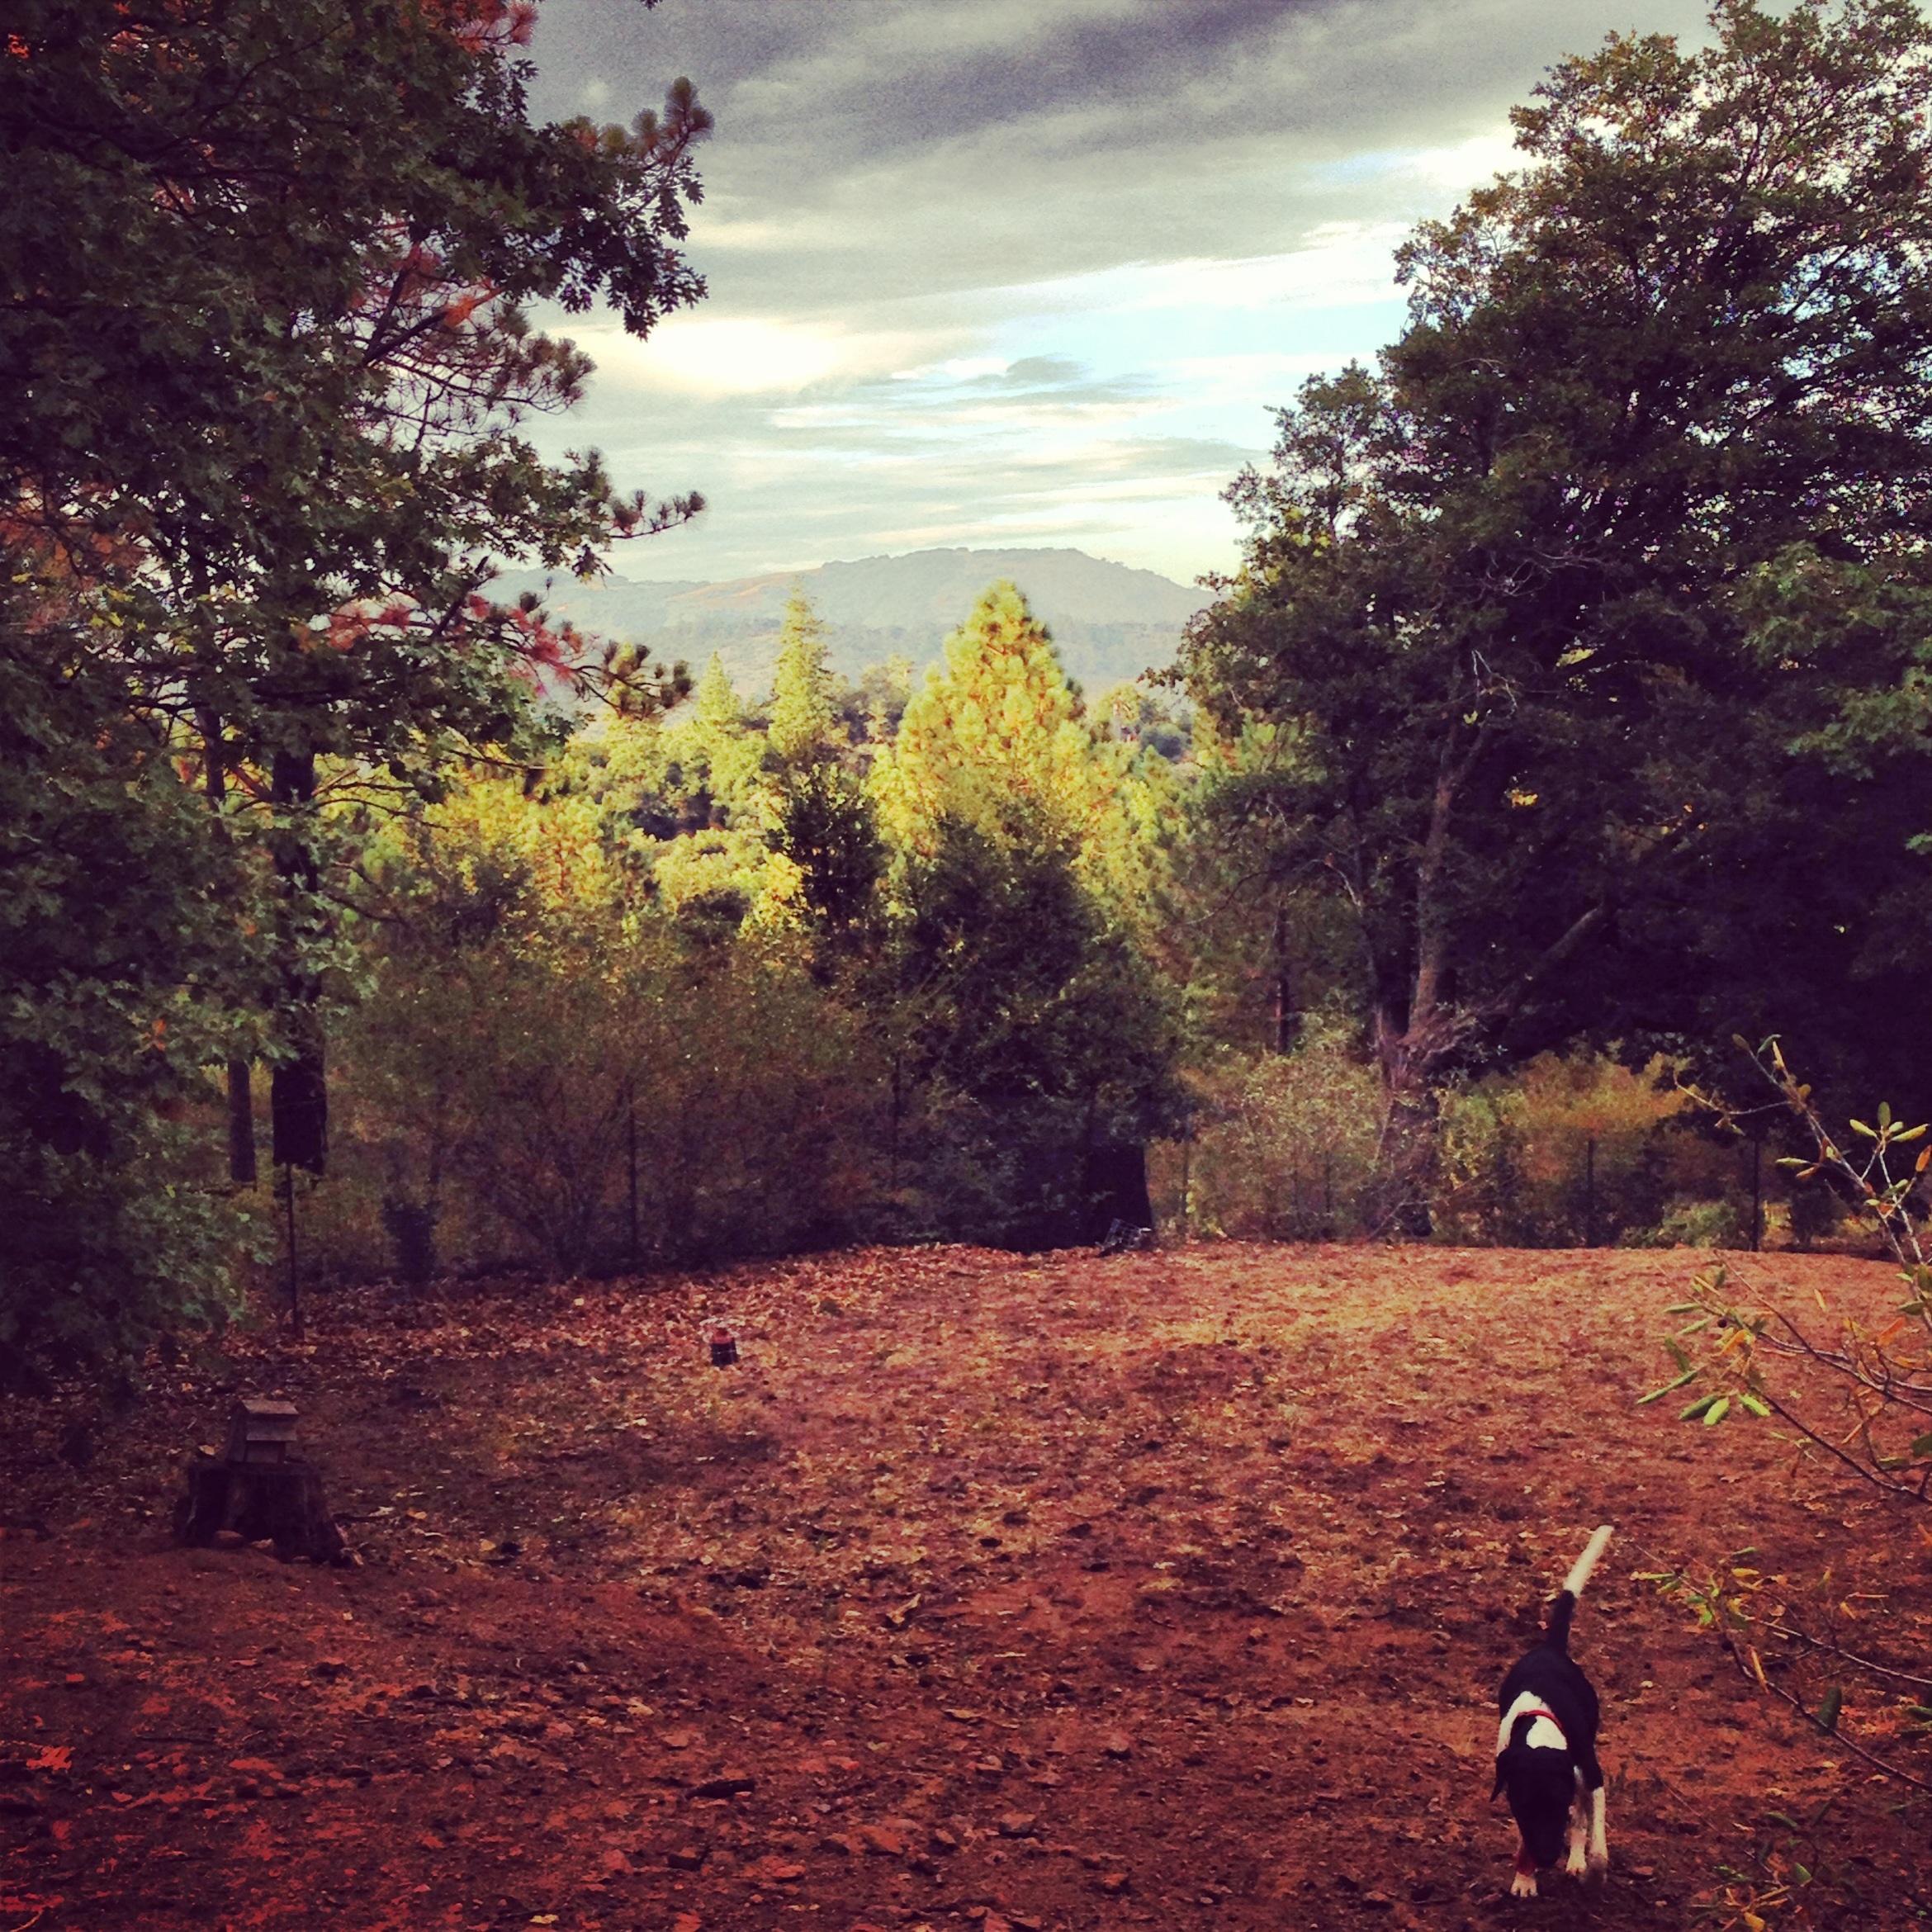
column 724, row 1347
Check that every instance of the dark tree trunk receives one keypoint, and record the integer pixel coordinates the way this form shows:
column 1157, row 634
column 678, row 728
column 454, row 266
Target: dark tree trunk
column 241, row 1124
column 241, row 1097
column 1397, row 1203
column 1286, row 1015
column 298, row 1091
column 1116, row 1187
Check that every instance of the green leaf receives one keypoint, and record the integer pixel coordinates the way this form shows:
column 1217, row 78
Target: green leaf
column 1827, row 1718
column 1677, row 1382
column 1716, row 1412
column 1693, row 1410
column 1921, row 1447
column 1753, row 1405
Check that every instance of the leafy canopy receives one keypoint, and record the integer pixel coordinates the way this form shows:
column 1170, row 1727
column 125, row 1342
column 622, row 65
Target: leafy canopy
column 1519, row 605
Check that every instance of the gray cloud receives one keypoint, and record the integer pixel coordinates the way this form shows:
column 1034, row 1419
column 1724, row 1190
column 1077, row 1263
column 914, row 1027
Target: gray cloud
column 908, row 185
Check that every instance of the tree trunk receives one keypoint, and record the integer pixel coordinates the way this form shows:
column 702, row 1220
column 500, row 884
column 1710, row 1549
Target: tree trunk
column 241, row 1097
column 1286, row 1015
column 241, row 1124
column 1398, row 1204
column 281, row 1502
column 298, row 1091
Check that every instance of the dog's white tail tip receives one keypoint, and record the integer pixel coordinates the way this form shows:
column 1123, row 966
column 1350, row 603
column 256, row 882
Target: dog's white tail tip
column 1580, row 1571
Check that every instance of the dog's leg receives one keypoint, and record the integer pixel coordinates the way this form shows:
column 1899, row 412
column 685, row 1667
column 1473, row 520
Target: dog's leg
column 1523, row 1885
column 1575, row 1864
column 1599, row 1854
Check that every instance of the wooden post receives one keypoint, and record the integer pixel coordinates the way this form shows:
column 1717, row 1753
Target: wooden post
column 241, row 1099
column 1590, row 1191
column 898, row 1103
column 631, row 1158
column 1757, row 1193
column 1187, row 1167
column 295, row 1279
column 241, row 1123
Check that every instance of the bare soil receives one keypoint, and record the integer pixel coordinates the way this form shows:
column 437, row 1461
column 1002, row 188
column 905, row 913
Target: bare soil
column 985, row 1592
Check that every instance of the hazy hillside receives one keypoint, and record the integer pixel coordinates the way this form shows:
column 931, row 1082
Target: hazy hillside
column 1111, row 622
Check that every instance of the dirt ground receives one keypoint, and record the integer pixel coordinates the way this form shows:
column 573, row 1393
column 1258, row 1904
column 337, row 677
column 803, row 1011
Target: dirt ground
column 986, row 1592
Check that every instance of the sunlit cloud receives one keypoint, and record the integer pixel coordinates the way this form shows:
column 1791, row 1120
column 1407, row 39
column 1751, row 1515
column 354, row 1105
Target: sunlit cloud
column 987, row 271
column 708, row 354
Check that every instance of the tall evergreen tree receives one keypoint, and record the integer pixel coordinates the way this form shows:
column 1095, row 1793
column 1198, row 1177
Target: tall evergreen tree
column 993, row 740
column 802, row 717
column 1034, row 1029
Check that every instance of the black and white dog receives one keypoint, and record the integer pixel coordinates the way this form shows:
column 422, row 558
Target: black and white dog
column 1547, row 1746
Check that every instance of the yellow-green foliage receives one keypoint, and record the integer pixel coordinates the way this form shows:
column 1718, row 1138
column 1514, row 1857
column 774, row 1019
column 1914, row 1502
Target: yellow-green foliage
column 994, row 739
column 1283, row 1144
column 1515, row 1155
column 802, row 717
column 498, row 1087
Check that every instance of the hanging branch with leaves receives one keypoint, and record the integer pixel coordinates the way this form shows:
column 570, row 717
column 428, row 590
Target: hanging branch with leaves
column 1851, row 1386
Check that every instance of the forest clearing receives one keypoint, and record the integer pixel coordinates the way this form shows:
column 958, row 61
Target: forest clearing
column 987, row 1590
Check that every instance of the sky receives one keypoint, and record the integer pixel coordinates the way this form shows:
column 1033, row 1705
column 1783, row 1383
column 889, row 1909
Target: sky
column 1025, row 272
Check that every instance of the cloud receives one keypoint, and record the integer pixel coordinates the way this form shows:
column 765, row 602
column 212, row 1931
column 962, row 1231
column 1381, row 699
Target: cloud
column 706, row 353
column 1028, row 266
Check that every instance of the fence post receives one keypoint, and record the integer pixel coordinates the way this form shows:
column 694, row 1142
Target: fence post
column 631, row 1158
column 1590, row 1191
column 1757, row 1192
column 295, row 1279
column 1186, row 1165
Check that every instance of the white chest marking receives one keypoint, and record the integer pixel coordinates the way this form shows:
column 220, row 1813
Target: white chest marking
column 1543, row 1731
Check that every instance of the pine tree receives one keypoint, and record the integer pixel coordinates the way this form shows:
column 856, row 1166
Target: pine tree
column 717, row 714
column 1038, row 1044
column 993, row 742
column 717, row 748
column 803, row 720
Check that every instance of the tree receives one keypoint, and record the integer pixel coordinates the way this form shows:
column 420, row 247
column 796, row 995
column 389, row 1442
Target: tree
column 1024, row 1004
column 116, row 938
column 1035, row 1032
column 802, row 719
column 1512, row 601
column 993, row 739
column 266, row 283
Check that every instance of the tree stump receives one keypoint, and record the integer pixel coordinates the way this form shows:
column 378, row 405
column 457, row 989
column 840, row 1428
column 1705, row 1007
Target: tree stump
column 279, row 1502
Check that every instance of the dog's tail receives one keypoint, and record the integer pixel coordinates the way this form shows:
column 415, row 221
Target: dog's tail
column 1564, row 1607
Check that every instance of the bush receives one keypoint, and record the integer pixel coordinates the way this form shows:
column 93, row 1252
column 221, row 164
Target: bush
column 1691, row 1223
column 1568, row 1150
column 1283, row 1145
column 488, row 1110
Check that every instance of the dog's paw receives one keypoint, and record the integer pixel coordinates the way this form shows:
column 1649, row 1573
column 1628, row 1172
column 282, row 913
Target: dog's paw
column 1575, row 1864
column 1523, row 1885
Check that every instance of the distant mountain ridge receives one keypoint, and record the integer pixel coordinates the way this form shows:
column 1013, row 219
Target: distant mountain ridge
column 1110, row 621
